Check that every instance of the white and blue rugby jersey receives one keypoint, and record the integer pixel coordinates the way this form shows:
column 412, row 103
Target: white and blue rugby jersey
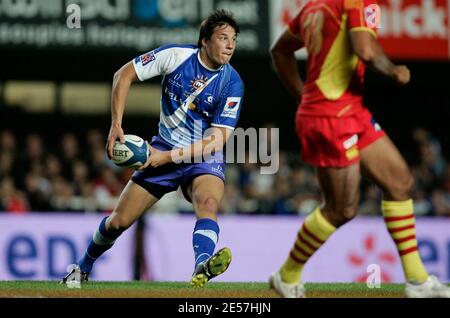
column 194, row 97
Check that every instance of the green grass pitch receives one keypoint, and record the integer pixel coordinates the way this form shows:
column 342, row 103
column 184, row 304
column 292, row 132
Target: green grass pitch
column 140, row 289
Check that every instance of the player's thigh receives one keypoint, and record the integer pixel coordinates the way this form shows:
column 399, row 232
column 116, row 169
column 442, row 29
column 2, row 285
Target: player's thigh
column 133, row 201
column 206, row 188
column 340, row 188
column 382, row 162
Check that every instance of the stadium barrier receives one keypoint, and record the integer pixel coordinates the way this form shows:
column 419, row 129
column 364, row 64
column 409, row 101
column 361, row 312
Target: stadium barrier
column 39, row 247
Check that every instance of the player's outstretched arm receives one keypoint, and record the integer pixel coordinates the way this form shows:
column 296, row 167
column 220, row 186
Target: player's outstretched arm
column 121, row 86
column 283, row 58
column 372, row 54
column 213, row 141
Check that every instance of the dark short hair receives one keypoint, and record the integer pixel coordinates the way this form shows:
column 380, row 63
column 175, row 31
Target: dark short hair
column 215, row 19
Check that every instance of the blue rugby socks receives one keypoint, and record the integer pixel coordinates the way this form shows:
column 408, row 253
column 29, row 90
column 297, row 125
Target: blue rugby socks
column 204, row 240
column 101, row 241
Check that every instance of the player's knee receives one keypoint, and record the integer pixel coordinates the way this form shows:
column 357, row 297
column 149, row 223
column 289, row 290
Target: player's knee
column 340, row 216
column 350, row 212
column 118, row 224
column 346, row 214
column 210, row 204
column 207, row 202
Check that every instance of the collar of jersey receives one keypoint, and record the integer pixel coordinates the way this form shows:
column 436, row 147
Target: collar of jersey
column 204, row 65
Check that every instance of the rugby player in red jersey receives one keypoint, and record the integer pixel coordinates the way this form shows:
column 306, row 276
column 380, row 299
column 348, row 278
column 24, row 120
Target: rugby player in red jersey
column 339, row 136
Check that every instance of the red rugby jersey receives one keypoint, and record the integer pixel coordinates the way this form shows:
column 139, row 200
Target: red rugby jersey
column 335, row 75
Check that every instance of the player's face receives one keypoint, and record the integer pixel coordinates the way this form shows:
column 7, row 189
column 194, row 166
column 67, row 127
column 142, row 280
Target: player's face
column 220, row 48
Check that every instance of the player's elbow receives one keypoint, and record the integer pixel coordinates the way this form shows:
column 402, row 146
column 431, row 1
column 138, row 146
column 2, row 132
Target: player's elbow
column 117, row 76
column 366, row 54
column 364, row 45
column 120, row 79
column 276, row 52
column 125, row 73
column 278, row 58
column 278, row 49
column 273, row 50
column 273, row 55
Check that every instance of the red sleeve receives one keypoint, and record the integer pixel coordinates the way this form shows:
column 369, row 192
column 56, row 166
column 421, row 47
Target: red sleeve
column 363, row 15
column 294, row 25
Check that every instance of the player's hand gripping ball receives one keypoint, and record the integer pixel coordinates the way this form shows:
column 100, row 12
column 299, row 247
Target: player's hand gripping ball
column 132, row 154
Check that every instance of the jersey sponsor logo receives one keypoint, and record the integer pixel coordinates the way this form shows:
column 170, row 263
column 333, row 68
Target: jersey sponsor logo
column 175, row 83
column 372, row 15
column 174, row 80
column 352, row 153
column 209, row 99
column 350, row 142
column 172, row 95
column 218, row 170
column 198, row 82
column 147, row 58
column 231, row 107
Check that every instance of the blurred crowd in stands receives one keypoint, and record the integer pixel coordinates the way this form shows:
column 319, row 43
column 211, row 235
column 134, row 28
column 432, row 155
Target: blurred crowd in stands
column 77, row 176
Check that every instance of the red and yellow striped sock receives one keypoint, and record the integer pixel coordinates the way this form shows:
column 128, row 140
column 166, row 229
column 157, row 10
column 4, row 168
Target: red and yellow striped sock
column 400, row 221
column 313, row 233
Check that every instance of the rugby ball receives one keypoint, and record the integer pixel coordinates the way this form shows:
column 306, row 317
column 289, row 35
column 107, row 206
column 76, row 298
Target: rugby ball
column 132, row 154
